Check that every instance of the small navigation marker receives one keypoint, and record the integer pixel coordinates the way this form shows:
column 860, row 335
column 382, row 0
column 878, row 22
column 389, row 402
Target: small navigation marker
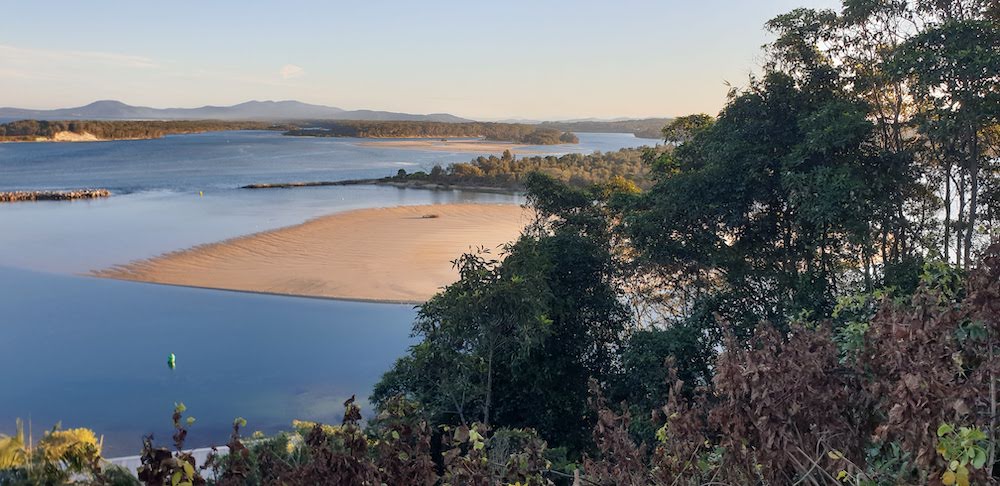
column 171, row 360
column 201, row 193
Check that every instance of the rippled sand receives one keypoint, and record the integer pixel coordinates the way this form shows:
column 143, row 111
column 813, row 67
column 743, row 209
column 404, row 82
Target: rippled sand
column 398, row 254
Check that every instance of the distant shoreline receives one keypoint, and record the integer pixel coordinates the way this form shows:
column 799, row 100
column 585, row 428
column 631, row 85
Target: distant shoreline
column 443, row 145
column 70, row 137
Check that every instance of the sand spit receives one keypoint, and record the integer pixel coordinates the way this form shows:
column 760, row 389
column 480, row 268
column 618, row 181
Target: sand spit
column 399, row 254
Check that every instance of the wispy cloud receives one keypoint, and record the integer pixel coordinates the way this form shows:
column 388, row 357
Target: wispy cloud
column 289, row 71
column 61, row 65
column 26, row 56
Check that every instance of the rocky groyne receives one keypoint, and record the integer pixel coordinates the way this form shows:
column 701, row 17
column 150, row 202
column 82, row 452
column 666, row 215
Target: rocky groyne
column 18, row 196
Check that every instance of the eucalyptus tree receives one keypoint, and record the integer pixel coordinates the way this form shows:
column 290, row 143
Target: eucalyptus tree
column 954, row 68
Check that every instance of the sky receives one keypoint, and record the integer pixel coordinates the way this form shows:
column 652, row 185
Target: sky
column 536, row 59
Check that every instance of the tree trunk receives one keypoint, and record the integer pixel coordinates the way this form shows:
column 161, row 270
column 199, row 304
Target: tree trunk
column 947, row 211
column 489, row 387
column 973, row 196
column 867, row 261
column 960, row 231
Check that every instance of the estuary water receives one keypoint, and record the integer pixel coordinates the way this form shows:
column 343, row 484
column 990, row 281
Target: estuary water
column 92, row 353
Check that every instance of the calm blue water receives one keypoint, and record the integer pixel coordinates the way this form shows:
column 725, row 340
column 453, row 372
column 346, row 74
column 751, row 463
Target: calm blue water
column 224, row 160
column 79, row 236
column 91, row 352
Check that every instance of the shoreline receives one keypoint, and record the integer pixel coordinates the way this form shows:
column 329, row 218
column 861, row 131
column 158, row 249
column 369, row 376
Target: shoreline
column 261, row 292
column 436, row 144
column 386, row 181
column 396, row 255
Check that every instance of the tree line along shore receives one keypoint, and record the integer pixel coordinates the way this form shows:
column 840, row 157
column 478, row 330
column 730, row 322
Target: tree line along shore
column 546, row 133
column 45, row 130
column 505, row 132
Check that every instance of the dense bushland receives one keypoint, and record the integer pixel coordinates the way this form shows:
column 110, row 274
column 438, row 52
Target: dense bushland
column 626, row 166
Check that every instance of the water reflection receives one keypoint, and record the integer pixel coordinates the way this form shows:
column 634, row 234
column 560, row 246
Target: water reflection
column 90, row 352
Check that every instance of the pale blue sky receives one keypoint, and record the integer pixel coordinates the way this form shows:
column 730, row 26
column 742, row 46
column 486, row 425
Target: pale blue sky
column 531, row 59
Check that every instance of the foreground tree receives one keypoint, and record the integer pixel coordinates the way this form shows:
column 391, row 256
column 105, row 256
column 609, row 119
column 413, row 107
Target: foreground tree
column 514, row 341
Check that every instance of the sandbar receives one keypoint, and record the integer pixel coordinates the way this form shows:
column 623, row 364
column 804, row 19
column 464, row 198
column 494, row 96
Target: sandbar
column 398, row 254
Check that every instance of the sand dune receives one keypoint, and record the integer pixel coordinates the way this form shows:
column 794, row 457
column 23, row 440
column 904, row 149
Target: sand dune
column 65, row 136
column 398, row 254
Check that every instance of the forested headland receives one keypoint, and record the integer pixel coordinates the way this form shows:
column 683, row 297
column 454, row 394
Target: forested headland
column 628, row 169
column 31, row 130
column 503, row 132
column 807, row 292
column 627, row 166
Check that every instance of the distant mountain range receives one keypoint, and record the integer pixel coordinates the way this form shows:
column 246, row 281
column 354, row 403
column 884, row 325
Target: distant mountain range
column 251, row 110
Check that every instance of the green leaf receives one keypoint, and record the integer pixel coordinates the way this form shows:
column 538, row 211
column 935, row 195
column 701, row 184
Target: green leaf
column 980, row 459
column 175, row 478
column 944, row 430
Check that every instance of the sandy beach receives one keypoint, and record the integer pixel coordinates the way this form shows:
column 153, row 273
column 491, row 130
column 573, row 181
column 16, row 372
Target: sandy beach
column 399, row 254
column 472, row 146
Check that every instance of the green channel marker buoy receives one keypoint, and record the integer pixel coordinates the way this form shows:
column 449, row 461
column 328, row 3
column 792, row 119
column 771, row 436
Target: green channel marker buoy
column 171, row 360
